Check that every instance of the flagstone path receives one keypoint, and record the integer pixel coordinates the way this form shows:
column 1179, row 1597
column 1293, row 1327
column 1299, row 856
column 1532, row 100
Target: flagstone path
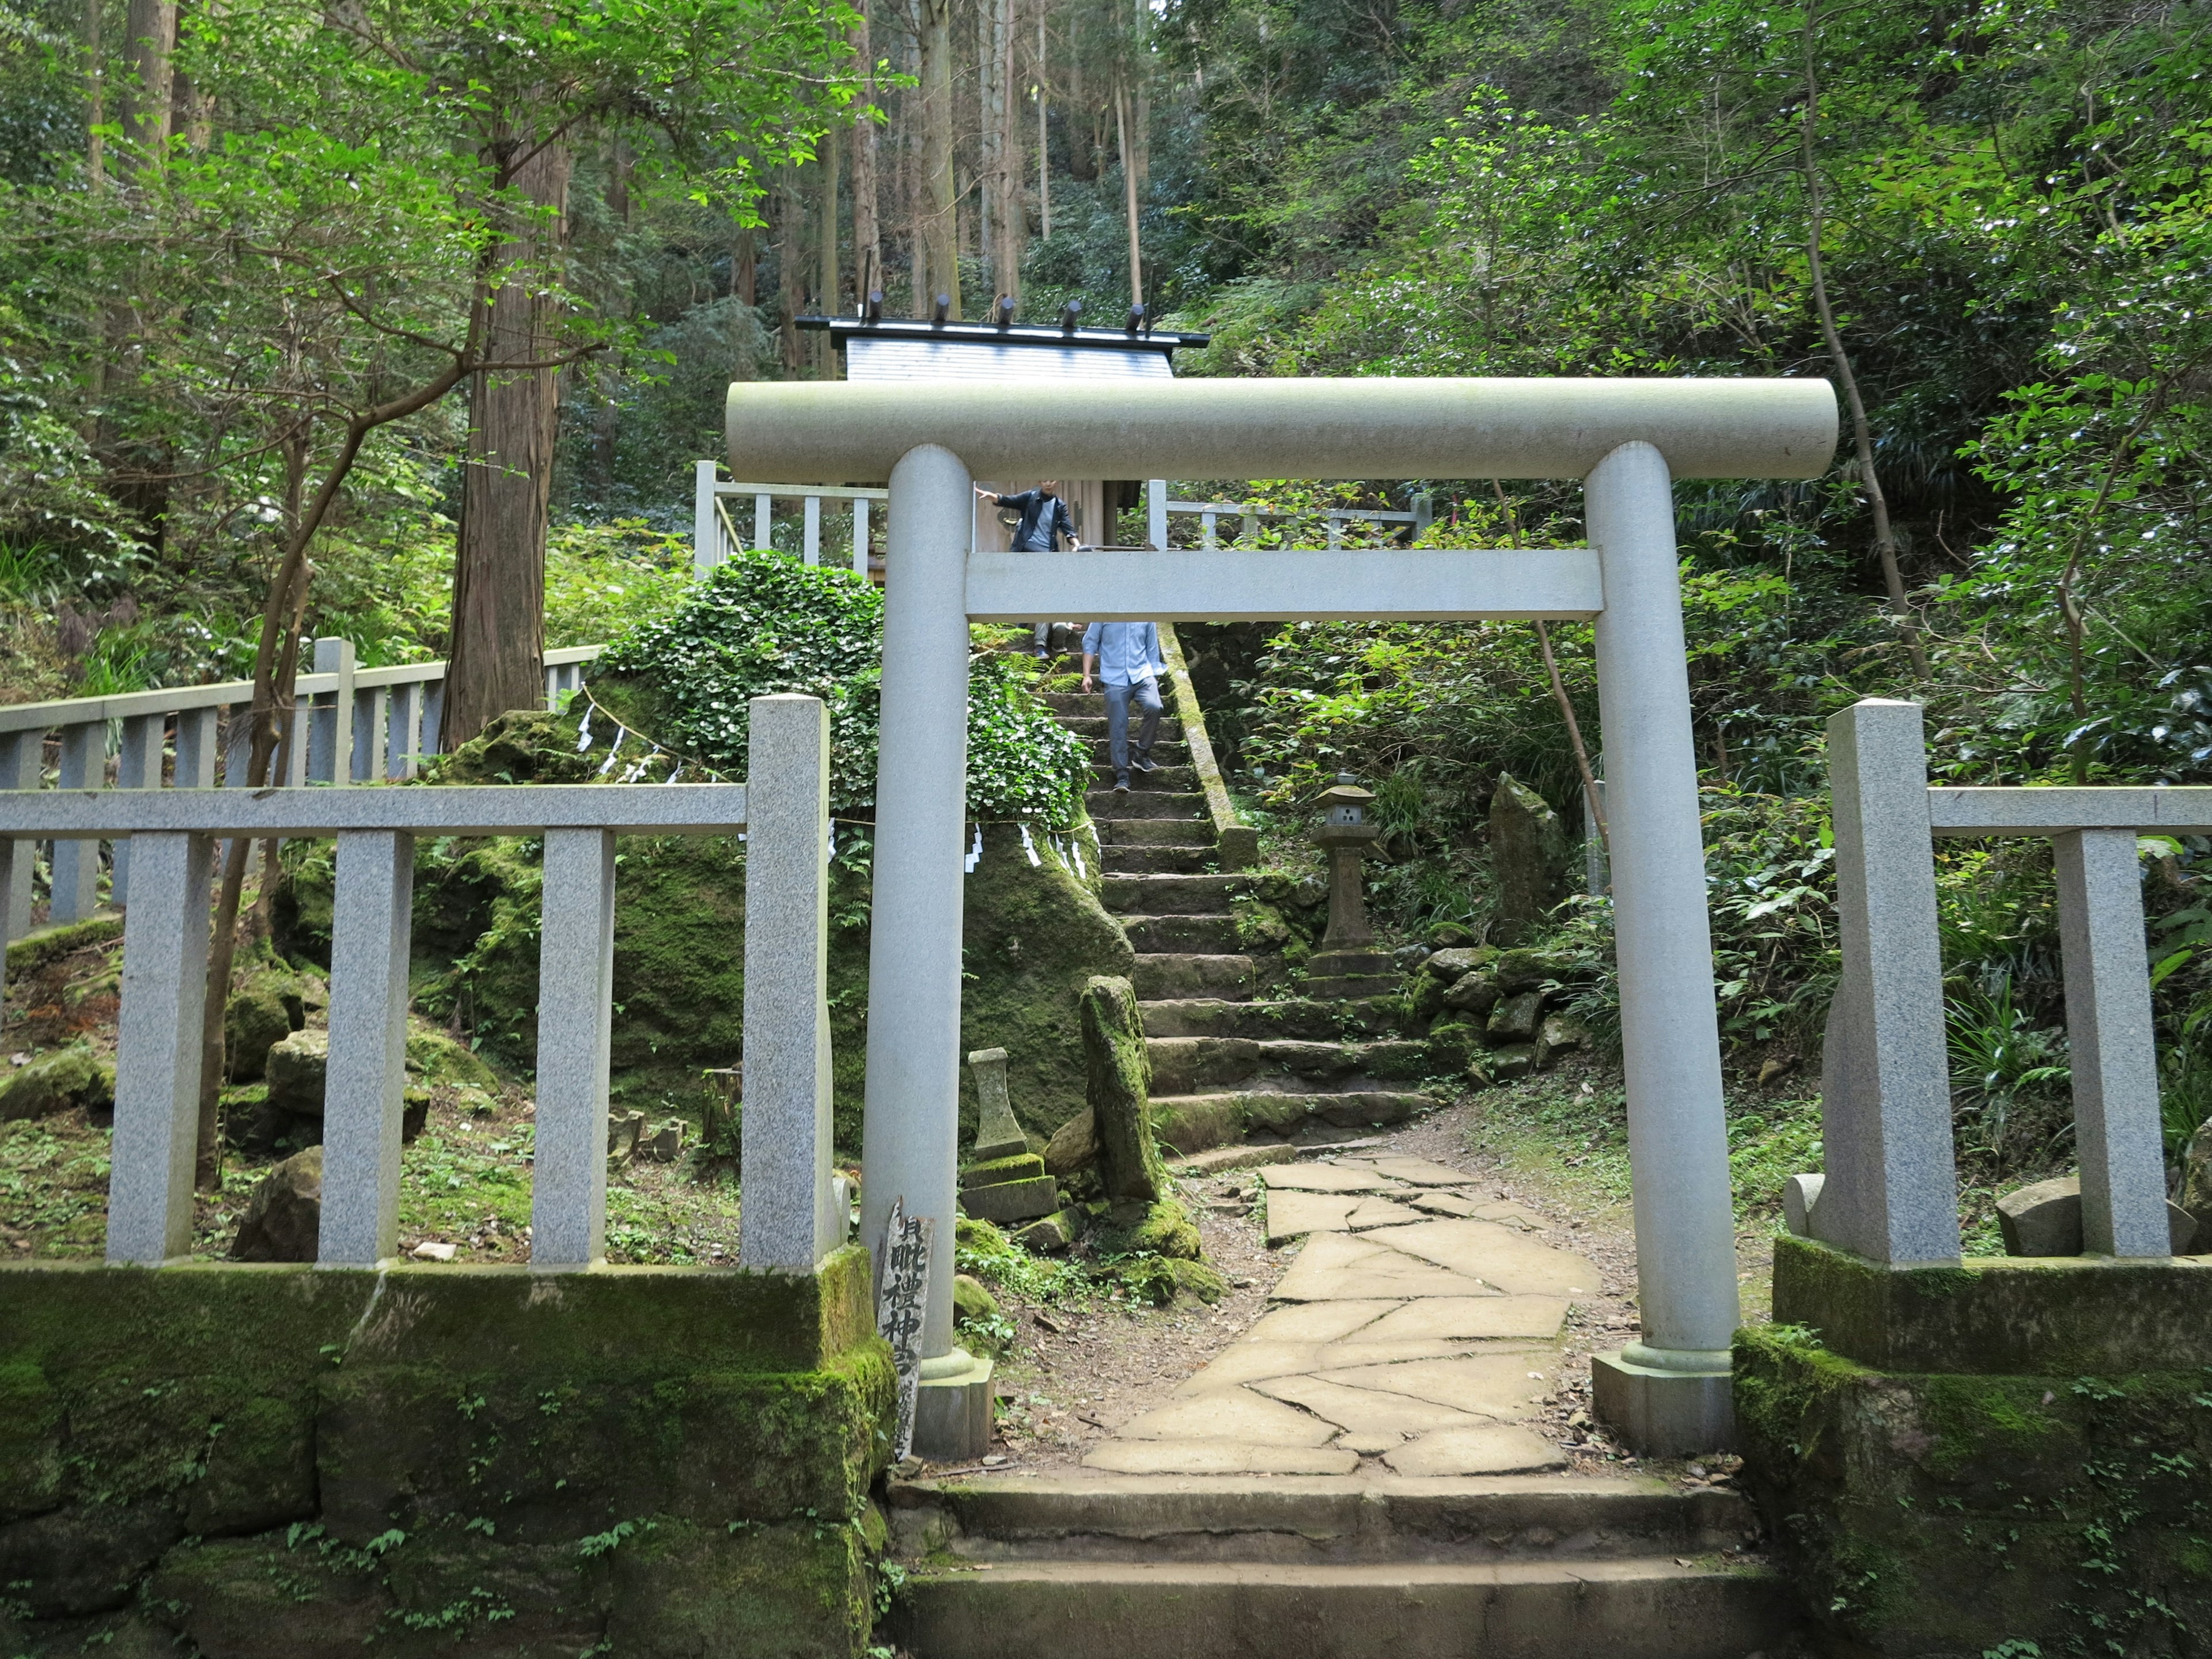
column 1416, row 1333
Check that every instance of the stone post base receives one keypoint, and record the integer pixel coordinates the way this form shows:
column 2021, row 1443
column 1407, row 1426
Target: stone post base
column 953, row 1408
column 1662, row 1413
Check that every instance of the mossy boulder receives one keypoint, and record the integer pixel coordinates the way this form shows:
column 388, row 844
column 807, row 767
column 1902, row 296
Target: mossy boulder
column 267, row 1007
column 56, row 1082
column 297, row 1069
column 972, row 1301
column 1119, row 1081
column 283, row 1218
column 438, row 1058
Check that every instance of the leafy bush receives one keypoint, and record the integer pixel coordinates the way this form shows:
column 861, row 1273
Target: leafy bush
column 762, row 623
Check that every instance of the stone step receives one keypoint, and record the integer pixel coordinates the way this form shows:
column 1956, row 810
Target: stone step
column 1156, row 861
column 1179, row 778
column 1195, row 1065
column 1319, row 1022
column 1157, row 832
column 1183, row 973
column 1080, row 703
column 1110, row 806
column 1170, row 896
column 1643, row 1607
column 1194, row 1123
column 1313, row 1519
column 1094, row 726
column 1150, row 935
column 1166, row 753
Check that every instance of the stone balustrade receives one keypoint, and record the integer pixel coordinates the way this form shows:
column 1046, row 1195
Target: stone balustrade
column 715, row 536
column 788, row 1221
column 353, row 725
column 1890, row 1193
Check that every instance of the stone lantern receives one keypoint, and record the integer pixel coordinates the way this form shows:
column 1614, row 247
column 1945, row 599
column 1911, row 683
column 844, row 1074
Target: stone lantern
column 1347, row 964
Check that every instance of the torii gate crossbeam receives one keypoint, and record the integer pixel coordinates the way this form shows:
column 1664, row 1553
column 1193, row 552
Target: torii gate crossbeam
column 1626, row 439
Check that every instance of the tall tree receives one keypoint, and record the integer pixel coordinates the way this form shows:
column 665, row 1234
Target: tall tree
column 498, row 638
column 867, row 234
column 939, row 198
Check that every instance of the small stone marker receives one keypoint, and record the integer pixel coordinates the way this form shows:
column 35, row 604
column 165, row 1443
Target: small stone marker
column 997, row 1132
column 899, row 1303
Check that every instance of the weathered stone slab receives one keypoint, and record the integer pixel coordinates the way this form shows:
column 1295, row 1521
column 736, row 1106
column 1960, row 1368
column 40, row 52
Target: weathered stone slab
column 1336, row 1268
column 1489, row 1386
column 1376, row 1210
column 1453, row 1318
column 1251, row 1362
column 1454, row 1204
column 1292, row 1213
column 1019, row 1166
column 1495, row 1254
column 1218, row 1457
column 1235, row 1414
column 1012, row 1201
column 1364, row 1411
column 1381, row 1278
column 1493, row 1449
column 1417, row 1172
column 1317, row 1322
column 1328, row 1178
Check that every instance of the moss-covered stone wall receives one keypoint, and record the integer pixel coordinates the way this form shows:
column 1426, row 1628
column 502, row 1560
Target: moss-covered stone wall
column 1995, row 1489
column 1035, row 933
column 283, row 1462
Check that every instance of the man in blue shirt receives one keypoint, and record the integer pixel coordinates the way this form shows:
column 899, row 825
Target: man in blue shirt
column 1125, row 656
column 1044, row 520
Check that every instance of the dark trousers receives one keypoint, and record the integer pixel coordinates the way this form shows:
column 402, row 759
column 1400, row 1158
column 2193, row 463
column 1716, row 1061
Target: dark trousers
column 1145, row 693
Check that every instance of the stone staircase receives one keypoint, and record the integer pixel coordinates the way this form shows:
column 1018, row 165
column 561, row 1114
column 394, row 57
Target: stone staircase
column 1328, row 1567
column 1228, row 1064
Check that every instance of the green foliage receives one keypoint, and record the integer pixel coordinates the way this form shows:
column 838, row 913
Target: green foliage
column 762, row 623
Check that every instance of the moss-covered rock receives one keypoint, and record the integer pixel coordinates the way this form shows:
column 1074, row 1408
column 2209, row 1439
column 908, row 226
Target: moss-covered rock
column 438, row 1058
column 56, row 1082
column 972, row 1300
column 1939, row 1513
column 266, row 1008
column 279, row 1460
column 1118, row 1086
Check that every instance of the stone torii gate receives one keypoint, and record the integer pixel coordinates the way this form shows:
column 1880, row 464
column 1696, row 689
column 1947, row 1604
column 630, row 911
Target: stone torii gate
column 1627, row 440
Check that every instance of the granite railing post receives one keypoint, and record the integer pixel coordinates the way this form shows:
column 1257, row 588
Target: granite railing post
column 366, row 1078
column 1890, row 1192
column 21, row 756
column 196, row 748
column 1670, row 1392
column 138, row 766
column 788, row 1221
column 403, row 733
column 329, row 744
column 75, row 864
column 371, row 720
column 575, row 1010
column 2117, row 1136
column 157, row 1051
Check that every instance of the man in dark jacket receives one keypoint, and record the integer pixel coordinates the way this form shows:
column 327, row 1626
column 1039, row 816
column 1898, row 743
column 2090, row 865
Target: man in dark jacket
column 1044, row 520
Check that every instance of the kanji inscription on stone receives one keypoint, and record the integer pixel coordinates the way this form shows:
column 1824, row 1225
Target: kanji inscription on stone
column 899, row 1306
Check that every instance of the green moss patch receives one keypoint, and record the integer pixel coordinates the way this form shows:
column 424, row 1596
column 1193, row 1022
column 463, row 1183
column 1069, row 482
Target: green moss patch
column 424, row 1457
